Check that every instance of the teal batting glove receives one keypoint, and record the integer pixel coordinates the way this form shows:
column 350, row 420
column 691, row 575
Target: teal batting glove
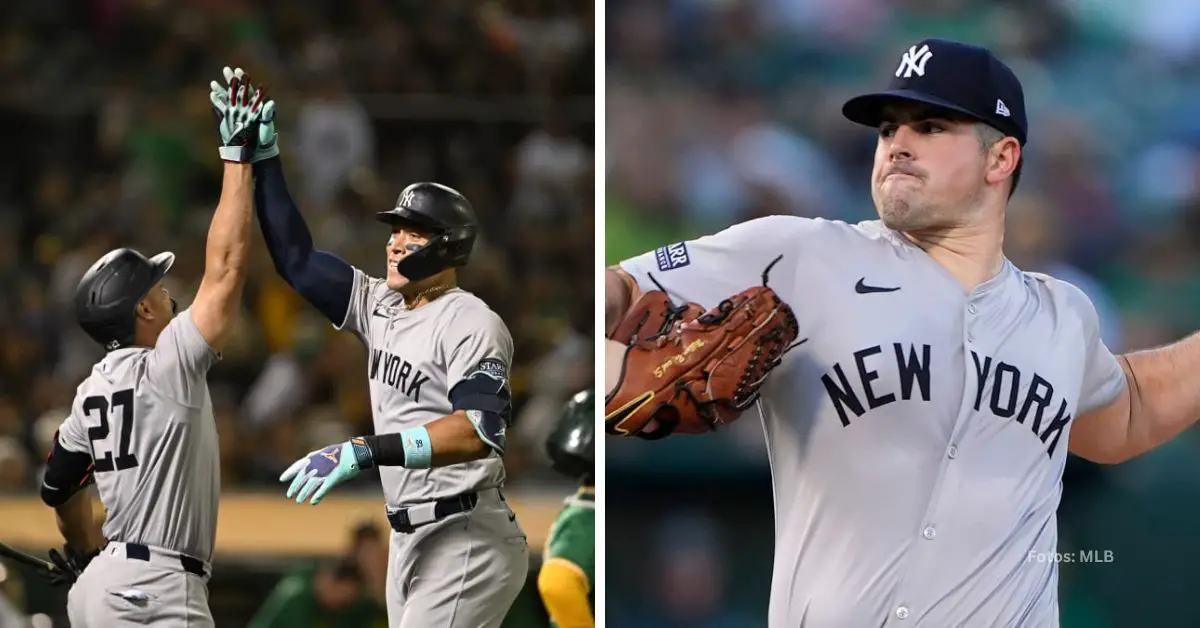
column 317, row 473
column 266, row 140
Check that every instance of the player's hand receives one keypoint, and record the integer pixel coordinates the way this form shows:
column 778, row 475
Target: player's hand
column 67, row 565
column 245, row 119
column 317, row 473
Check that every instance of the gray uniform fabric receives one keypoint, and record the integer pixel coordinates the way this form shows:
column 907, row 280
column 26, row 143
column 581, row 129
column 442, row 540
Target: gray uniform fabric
column 145, row 417
column 917, row 441
column 467, row 569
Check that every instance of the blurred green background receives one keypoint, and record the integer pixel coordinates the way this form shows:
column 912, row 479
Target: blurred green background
column 718, row 112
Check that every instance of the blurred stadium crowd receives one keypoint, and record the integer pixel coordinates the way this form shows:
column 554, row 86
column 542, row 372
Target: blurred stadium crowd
column 718, row 112
column 107, row 101
column 110, row 106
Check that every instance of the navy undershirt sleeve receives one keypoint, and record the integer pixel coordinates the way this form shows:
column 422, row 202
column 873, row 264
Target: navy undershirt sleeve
column 322, row 278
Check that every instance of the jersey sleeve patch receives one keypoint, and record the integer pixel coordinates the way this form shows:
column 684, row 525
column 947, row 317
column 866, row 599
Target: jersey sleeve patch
column 484, row 388
column 672, row 256
column 492, row 368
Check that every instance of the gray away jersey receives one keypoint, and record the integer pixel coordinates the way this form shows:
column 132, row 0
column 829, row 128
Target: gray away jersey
column 917, row 440
column 414, row 359
column 145, row 417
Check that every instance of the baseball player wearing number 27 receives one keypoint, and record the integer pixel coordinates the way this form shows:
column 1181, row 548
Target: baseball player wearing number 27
column 919, row 427
column 141, row 426
column 438, row 371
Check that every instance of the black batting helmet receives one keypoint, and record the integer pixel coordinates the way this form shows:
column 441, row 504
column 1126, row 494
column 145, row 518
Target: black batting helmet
column 109, row 292
column 571, row 445
column 449, row 217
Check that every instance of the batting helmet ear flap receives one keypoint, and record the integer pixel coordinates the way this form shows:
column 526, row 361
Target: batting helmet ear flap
column 441, row 252
column 449, row 218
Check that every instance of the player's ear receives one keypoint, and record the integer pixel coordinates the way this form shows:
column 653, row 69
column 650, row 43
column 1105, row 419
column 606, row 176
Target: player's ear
column 1003, row 158
column 143, row 310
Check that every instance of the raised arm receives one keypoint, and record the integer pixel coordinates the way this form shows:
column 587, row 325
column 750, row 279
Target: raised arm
column 323, row 279
column 225, row 259
column 241, row 111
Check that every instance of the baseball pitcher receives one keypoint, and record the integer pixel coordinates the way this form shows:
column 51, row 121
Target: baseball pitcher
column 567, row 578
column 141, row 427
column 918, row 431
column 438, row 369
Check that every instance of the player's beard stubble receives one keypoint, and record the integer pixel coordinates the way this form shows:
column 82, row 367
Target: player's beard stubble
column 906, row 204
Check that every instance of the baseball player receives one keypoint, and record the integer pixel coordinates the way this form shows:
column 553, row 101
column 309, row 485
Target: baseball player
column 567, row 578
column 141, row 425
column 438, row 369
column 917, row 439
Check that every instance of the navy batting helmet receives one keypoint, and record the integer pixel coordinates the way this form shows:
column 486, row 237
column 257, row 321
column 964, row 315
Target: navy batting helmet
column 447, row 215
column 571, row 445
column 110, row 290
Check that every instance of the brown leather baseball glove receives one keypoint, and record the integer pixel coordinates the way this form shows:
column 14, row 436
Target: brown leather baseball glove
column 690, row 374
column 653, row 314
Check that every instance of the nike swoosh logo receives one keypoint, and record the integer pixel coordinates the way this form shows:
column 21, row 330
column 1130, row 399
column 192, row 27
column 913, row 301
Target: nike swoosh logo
column 48, row 487
column 862, row 288
column 620, row 415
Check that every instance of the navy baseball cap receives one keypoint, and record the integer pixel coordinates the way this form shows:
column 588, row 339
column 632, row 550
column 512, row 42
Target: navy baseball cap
column 952, row 75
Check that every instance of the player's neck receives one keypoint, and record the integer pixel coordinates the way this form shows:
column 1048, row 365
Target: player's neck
column 971, row 254
column 143, row 336
column 426, row 294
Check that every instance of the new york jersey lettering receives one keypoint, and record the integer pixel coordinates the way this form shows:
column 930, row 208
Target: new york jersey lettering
column 1001, row 389
column 395, row 371
column 1025, row 400
column 910, row 361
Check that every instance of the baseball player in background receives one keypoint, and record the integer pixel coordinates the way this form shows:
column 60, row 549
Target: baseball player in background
column 141, row 425
column 438, row 369
column 567, row 578
column 917, row 439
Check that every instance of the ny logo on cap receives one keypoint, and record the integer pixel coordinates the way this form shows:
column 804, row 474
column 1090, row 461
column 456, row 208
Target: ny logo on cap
column 914, row 61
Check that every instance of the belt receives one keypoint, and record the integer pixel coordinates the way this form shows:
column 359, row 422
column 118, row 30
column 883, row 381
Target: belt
column 137, row 551
column 407, row 520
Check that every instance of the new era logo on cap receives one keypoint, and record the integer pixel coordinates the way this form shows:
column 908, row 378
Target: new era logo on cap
column 950, row 75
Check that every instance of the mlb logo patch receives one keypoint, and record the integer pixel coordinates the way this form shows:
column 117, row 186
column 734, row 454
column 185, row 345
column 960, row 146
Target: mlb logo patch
column 672, row 256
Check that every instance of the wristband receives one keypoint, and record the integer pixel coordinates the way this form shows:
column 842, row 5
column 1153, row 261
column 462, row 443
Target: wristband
column 236, row 154
column 363, row 456
column 418, row 451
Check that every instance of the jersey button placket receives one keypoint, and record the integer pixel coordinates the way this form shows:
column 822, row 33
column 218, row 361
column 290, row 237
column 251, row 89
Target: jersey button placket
column 902, row 612
column 969, row 323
